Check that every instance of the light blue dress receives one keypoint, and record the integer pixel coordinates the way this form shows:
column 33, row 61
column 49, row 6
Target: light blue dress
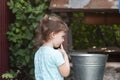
column 46, row 61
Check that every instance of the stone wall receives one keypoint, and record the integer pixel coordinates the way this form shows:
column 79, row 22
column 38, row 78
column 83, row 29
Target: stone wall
column 112, row 71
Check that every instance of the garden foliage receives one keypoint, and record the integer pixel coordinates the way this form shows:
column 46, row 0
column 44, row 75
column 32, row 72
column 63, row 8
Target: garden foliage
column 87, row 36
column 21, row 34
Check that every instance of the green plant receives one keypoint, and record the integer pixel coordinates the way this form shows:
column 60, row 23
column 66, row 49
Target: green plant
column 21, row 34
column 11, row 75
column 86, row 36
column 7, row 76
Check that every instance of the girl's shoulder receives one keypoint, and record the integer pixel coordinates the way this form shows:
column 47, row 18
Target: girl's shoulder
column 48, row 50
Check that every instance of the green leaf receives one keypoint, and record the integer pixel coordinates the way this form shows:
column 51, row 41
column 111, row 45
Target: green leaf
column 27, row 58
column 7, row 76
column 11, row 4
column 14, row 10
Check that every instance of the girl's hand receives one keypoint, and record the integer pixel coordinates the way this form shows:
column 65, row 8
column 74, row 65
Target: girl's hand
column 64, row 68
column 62, row 49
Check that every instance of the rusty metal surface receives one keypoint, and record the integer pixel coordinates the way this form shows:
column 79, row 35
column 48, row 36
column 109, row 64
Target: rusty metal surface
column 102, row 4
column 59, row 3
column 84, row 4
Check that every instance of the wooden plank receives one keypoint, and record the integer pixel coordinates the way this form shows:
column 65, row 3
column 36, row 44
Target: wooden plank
column 94, row 19
column 99, row 19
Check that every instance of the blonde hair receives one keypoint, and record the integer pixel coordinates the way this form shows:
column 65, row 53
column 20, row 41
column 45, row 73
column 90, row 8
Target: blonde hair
column 49, row 23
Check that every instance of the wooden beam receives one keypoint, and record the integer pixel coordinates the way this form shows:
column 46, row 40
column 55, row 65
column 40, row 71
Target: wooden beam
column 99, row 19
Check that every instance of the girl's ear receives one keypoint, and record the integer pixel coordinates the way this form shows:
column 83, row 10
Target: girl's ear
column 52, row 35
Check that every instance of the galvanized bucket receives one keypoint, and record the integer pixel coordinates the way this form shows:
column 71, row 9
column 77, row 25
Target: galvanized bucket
column 88, row 66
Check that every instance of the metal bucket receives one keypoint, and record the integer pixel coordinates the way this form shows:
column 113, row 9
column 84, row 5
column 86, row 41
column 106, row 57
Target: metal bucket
column 88, row 66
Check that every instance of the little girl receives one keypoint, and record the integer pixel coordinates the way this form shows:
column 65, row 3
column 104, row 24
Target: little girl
column 51, row 61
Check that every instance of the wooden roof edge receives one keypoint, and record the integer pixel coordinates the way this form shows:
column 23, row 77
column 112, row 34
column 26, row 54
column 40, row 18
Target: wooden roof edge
column 82, row 10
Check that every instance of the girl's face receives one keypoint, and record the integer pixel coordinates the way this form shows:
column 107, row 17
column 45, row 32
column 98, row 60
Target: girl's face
column 58, row 39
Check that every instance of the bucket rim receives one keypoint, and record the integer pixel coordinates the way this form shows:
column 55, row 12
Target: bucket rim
column 87, row 54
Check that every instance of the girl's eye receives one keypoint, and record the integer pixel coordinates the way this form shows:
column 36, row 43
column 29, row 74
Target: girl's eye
column 63, row 36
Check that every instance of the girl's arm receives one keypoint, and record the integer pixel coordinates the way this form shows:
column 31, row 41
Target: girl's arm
column 65, row 67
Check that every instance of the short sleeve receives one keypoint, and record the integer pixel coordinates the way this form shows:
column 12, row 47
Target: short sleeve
column 58, row 58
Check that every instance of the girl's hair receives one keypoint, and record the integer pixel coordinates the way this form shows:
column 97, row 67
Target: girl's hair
column 49, row 23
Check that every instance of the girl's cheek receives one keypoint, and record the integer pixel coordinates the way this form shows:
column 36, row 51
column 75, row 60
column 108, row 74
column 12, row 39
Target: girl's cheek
column 63, row 39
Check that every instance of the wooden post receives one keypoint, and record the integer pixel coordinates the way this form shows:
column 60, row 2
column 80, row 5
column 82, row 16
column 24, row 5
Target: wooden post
column 4, row 22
